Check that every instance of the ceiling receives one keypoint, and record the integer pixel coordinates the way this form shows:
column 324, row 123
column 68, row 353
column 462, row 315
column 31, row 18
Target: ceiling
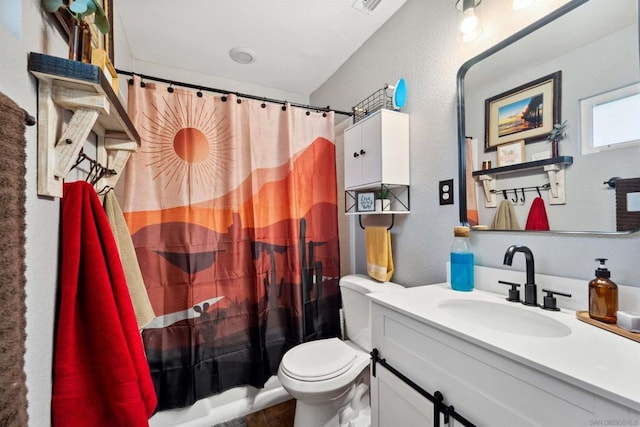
column 298, row 44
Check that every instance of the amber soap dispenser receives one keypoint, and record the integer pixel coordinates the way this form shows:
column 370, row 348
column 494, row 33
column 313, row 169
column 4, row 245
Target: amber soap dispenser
column 603, row 295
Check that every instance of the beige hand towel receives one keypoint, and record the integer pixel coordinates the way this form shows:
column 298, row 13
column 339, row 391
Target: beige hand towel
column 379, row 260
column 137, row 290
column 505, row 218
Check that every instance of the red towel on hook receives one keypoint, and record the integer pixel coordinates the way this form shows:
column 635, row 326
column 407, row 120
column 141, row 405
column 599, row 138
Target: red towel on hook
column 101, row 376
column 537, row 219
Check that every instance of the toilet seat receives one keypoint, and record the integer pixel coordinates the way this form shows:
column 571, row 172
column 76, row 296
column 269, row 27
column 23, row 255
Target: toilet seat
column 318, row 360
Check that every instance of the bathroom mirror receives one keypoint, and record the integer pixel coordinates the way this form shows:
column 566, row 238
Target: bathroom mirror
column 595, row 46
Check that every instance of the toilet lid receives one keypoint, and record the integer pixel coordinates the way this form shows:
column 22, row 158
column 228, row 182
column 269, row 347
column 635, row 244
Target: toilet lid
column 318, row 360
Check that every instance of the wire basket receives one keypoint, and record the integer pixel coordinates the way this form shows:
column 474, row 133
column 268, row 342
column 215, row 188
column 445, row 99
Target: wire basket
column 378, row 100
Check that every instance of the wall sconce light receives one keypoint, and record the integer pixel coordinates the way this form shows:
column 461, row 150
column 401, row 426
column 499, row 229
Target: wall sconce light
column 469, row 24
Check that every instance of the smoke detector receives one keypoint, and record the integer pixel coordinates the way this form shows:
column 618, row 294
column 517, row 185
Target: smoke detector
column 367, row 6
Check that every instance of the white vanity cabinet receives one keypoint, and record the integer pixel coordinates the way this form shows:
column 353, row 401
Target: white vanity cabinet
column 484, row 386
column 376, row 151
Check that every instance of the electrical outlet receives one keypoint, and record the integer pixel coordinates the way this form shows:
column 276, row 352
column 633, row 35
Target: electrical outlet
column 446, row 192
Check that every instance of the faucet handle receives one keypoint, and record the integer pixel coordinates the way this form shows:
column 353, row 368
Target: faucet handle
column 550, row 300
column 514, row 293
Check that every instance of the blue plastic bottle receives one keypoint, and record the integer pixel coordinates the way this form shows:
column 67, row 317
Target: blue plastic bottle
column 461, row 260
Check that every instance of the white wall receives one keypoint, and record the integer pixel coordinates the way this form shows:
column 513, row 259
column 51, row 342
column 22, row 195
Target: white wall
column 23, row 30
column 422, row 44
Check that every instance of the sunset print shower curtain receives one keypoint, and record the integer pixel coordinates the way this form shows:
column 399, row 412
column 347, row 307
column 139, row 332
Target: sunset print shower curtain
column 231, row 204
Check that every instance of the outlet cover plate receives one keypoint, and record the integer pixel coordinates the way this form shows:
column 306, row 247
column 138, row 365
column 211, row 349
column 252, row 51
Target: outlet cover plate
column 446, row 192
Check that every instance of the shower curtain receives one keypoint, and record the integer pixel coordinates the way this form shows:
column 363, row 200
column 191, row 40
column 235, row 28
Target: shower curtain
column 232, row 208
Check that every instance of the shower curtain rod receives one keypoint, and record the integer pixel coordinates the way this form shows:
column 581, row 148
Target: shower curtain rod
column 228, row 92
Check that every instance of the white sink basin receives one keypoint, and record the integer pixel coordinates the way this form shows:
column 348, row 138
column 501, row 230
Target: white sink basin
column 515, row 319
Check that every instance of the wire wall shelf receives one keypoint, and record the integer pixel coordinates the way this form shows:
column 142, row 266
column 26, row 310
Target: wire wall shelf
column 397, row 197
column 380, row 99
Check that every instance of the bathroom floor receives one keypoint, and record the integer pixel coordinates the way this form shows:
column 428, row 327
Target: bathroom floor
column 280, row 415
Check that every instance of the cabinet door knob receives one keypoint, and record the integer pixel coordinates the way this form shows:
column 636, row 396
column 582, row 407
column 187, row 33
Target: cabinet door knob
column 356, row 155
column 363, row 152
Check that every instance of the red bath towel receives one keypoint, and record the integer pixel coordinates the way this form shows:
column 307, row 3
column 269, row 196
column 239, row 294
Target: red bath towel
column 101, row 376
column 537, row 219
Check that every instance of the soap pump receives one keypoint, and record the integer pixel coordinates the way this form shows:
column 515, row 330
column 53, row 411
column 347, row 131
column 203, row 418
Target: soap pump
column 603, row 295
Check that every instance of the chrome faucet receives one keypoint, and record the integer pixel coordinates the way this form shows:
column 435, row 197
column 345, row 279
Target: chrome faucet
column 530, row 289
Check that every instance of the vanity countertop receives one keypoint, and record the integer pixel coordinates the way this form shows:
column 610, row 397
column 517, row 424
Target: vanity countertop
column 588, row 357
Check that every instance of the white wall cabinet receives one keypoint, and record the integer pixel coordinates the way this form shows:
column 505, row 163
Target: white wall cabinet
column 377, row 151
column 485, row 387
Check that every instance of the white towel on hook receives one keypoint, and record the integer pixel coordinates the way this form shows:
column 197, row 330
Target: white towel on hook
column 505, row 218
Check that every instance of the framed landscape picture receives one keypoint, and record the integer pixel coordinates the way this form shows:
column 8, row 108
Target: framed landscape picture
column 526, row 112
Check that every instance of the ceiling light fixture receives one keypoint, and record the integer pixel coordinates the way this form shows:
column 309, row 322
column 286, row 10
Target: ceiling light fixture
column 242, row 55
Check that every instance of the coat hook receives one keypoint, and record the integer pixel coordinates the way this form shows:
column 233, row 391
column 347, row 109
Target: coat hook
column 264, row 104
column 504, row 193
column 523, row 196
column 538, row 190
column 199, row 93
column 170, row 88
column 515, row 193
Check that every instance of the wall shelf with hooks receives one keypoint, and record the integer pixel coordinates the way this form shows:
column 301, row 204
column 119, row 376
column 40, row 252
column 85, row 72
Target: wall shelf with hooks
column 83, row 89
column 554, row 168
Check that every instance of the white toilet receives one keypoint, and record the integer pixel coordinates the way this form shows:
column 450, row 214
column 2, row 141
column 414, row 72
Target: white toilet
column 329, row 378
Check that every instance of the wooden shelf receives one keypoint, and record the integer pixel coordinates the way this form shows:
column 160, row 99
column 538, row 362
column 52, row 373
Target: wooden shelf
column 562, row 160
column 554, row 168
column 85, row 90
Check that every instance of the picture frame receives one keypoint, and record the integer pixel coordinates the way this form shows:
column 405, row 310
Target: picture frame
column 365, row 201
column 511, row 153
column 511, row 116
column 100, row 58
column 98, row 40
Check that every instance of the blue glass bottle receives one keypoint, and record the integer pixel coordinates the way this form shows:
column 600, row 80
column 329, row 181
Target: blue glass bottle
column 461, row 260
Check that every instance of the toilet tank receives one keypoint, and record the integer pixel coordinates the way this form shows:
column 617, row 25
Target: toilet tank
column 355, row 306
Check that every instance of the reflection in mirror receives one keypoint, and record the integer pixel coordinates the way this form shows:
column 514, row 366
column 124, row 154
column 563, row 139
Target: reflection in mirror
column 594, row 44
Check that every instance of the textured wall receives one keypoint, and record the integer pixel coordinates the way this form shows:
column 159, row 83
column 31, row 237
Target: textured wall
column 34, row 33
column 421, row 43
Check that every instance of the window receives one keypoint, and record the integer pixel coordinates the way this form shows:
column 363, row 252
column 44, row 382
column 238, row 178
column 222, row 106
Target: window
column 611, row 120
